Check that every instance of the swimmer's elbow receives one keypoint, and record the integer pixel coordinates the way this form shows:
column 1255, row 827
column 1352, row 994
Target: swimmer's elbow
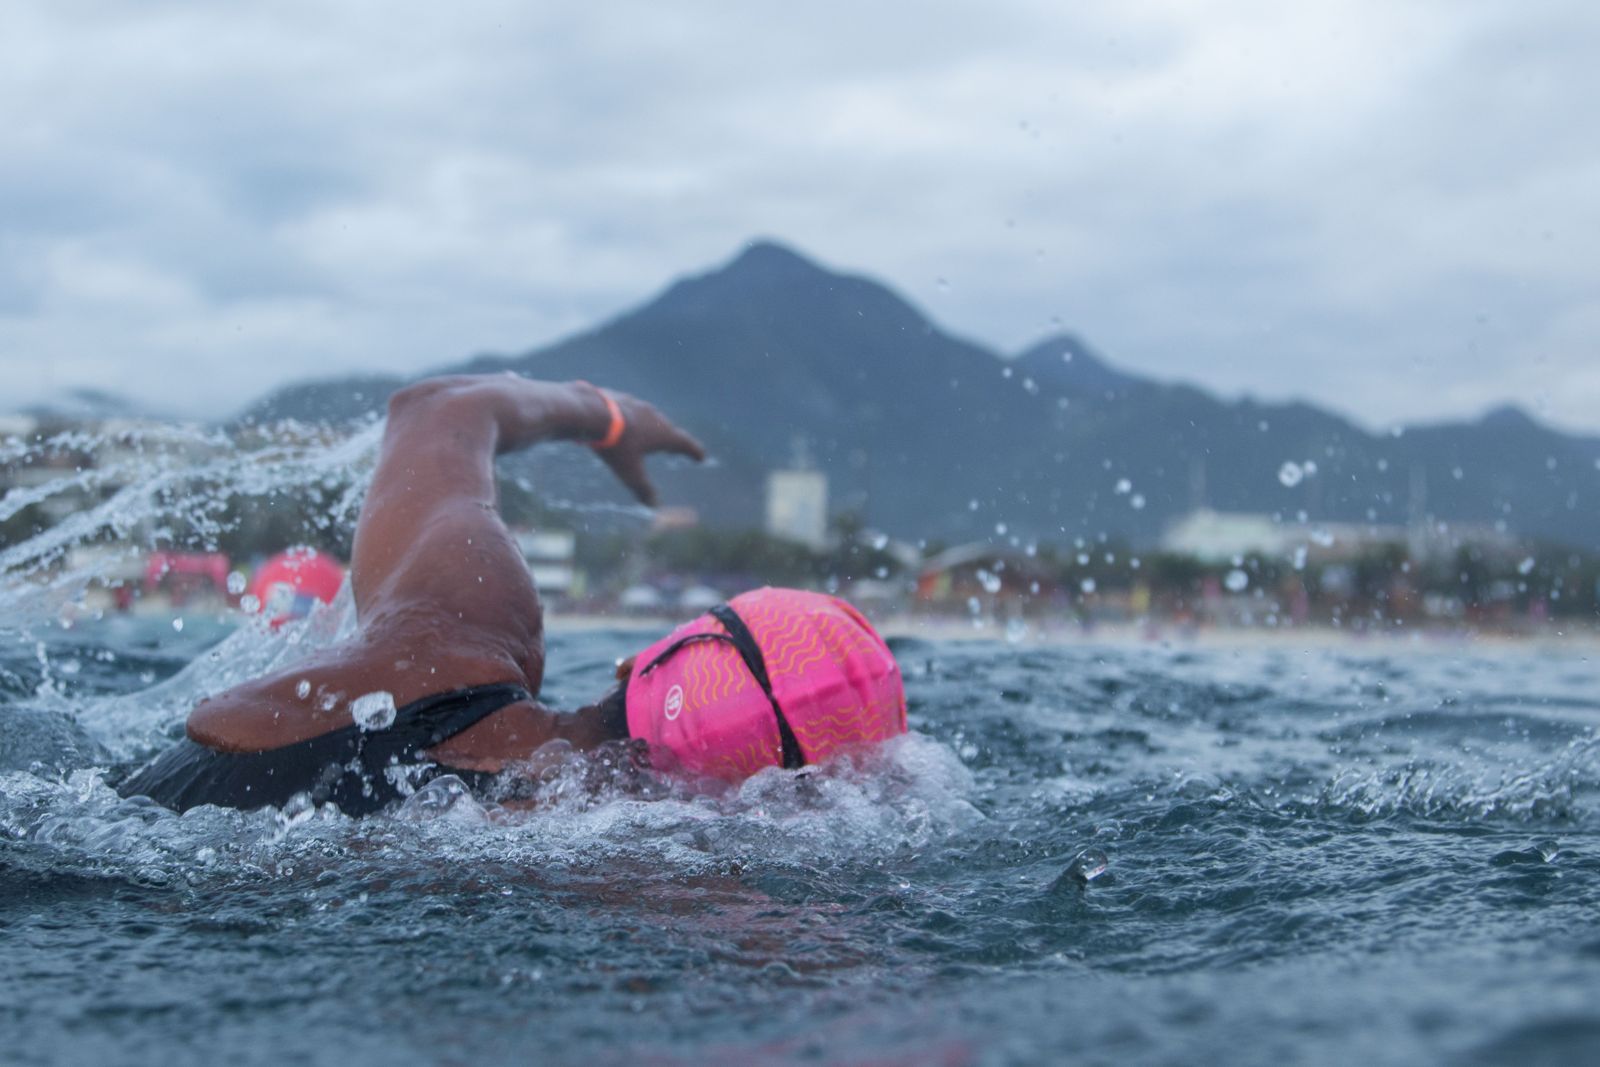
column 205, row 726
column 419, row 395
column 456, row 400
column 228, row 724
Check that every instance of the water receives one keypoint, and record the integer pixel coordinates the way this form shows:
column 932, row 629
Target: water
column 1390, row 854
column 1384, row 853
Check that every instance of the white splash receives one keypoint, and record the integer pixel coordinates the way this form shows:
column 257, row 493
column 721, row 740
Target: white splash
column 373, row 711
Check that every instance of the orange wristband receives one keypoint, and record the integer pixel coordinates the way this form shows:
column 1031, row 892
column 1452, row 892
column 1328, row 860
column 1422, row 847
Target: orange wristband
column 618, row 423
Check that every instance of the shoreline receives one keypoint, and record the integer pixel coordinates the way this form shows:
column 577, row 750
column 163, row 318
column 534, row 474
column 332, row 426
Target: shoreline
column 1131, row 635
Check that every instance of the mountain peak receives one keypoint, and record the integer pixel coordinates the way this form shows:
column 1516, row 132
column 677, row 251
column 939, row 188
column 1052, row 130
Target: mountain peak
column 1064, row 361
column 766, row 256
column 1507, row 416
column 769, row 281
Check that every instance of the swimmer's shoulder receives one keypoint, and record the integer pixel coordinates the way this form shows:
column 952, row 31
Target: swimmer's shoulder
column 314, row 698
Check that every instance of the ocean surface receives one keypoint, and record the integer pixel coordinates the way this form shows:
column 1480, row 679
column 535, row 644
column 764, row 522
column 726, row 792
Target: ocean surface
column 1380, row 853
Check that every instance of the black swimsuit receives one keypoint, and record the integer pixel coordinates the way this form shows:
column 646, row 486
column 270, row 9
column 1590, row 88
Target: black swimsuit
column 359, row 770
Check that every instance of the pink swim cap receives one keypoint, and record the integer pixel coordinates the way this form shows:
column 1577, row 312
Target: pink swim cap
column 833, row 683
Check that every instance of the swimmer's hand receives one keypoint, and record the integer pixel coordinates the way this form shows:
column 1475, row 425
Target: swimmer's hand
column 647, row 431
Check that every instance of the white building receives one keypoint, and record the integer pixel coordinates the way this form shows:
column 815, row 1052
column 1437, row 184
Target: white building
column 1218, row 536
column 797, row 506
column 17, row 426
column 550, row 555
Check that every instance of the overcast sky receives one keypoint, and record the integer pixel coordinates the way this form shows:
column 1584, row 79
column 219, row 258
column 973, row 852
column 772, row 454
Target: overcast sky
column 1391, row 208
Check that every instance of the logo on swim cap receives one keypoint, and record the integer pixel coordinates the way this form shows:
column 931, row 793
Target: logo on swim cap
column 674, row 703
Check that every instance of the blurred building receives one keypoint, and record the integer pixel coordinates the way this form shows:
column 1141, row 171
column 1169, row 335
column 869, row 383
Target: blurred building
column 1219, row 536
column 989, row 572
column 797, row 506
column 674, row 518
column 550, row 555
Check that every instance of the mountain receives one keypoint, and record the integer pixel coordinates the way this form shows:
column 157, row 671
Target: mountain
column 1064, row 364
column 87, row 402
column 330, row 400
column 930, row 435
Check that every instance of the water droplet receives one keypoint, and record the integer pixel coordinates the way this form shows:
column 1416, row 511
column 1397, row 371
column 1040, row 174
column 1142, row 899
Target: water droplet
column 303, row 689
column 1088, row 865
column 1087, row 585
column 1290, row 474
column 249, row 604
column 1300, row 557
column 446, row 797
column 1526, row 566
column 177, row 624
column 1016, row 631
column 1136, row 502
column 1236, row 581
column 1457, row 473
column 1542, row 851
column 1124, row 487
column 296, row 810
column 880, row 542
column 237, row 583
column 373, row 711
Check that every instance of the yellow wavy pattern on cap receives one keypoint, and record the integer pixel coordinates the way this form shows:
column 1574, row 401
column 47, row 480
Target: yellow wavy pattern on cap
column 790, row 640
column 793, row 641
column 712, row 671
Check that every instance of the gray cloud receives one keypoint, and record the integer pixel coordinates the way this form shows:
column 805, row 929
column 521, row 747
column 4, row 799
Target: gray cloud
column 1383, row 207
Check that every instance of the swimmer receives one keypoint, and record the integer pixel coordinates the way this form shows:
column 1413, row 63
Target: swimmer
column 443, row 675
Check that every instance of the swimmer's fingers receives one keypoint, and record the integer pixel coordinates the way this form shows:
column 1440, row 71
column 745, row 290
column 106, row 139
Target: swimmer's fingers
column 684, row 444
column 647, row 431
column 629, row 469
column 650, row 431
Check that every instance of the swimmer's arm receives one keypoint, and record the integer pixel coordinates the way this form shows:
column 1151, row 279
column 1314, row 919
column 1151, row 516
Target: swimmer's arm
column 430, row 539
column 443, row 595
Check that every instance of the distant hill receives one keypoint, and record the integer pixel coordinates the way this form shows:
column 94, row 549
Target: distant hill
column 930, row 435
column 87, row 402
column 1065, row 365
column 330, row 400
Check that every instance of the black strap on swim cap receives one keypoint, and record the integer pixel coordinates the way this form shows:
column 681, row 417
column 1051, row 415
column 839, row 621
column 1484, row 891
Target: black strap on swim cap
column 750, row 652
column 670, row 650
column 740, row 637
